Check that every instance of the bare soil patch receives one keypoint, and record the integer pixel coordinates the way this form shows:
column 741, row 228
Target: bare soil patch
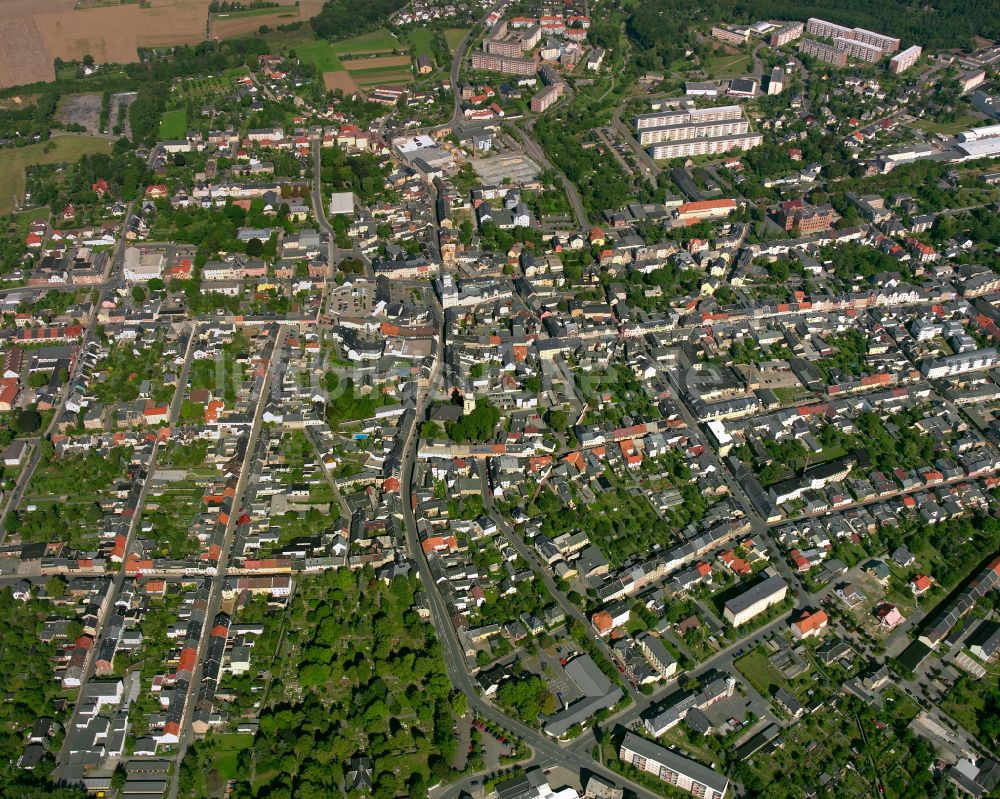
column 81, row 109
column 339, row 80
column 378, row 62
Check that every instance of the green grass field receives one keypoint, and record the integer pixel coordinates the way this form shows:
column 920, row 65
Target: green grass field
column 727, row 66
column 173, row 124
column 56, row 150
column 321, row 54
column 454, row 36
column 380, row 41
column 380, row 77
column 964, row 121
column 420, row 41
column 23, row 219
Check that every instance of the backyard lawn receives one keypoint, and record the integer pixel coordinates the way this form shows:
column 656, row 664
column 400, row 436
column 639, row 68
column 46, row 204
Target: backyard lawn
column 173, row 124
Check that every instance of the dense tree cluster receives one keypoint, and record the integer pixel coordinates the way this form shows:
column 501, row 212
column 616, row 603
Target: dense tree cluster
column 480, row 425
column 26, row 664
column 340, row 19
column 369, row 680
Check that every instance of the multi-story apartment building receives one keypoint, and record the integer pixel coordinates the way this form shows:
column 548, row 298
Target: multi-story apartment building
column 509, row 48
column 858, row 50
column 734, row 36
column 706, row 146
column 684, row 131
column 546, row 97
column 530, row 38
column 755, row 600
column 676, row 134
column 904, row 60
column 786, row 33
column 887, row 44
column 821, row 51
column 970, row 80
column 681, row 772
column 693, row 116
column 510, row 66
column 828, row 30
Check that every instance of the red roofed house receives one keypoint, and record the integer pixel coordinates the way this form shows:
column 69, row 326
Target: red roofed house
column 810, row 624
column 921, row 584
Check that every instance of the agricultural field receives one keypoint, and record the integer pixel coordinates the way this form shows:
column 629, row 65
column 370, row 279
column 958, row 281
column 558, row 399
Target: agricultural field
column 240, row 23
column 173, row 124
column 381, row 77
column 363, row 61
column 58, row 149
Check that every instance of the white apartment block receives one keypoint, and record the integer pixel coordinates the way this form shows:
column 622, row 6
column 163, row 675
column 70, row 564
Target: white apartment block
column 692, row 116
column 706, row 146
column 684, row 131
column 681, row 772
column 755, row 600
column 904, row 60
column 888, row 44
column 828, row 30
column 859, row 51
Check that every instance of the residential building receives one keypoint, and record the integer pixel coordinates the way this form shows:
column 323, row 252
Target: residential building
column 736, row 36
column 546, row 97
column 674, row 769
column 821, row 51
column 510, row 66
column 755, row 600
column 786, row 33
column 903, row 61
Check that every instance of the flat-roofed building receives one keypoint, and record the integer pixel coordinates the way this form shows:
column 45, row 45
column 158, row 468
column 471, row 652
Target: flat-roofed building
column 674, row 769
column 496, row 63
column 903, row 61
column 755, row 600
column 821, row 51
column 786, row 33
column 828, row 30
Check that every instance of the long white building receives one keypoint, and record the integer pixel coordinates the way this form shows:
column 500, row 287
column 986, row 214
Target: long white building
column 695, row 131
column 674, row 769
column 755, row 600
